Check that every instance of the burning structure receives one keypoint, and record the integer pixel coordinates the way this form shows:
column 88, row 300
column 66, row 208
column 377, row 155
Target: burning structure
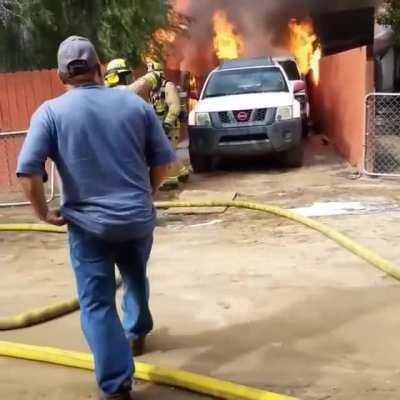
column 228, row 29
column 221, row 30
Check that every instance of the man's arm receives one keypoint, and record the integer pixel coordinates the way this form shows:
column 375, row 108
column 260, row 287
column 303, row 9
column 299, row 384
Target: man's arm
column 144, row 85
column 34, row 191
column 31, row 164
column 157, row 177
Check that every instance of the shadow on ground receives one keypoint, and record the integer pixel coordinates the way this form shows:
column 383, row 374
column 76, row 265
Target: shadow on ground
column 301, row 339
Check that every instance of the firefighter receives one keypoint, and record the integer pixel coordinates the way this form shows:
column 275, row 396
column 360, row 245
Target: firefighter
column 118, row 74
column 167, row 105
column 162, row 94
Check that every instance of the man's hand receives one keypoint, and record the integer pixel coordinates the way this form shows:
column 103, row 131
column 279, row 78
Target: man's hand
column 34, row 191
column 157, row 176
column 54, row 217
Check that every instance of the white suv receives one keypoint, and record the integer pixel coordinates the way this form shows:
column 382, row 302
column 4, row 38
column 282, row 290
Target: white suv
column 246, row 108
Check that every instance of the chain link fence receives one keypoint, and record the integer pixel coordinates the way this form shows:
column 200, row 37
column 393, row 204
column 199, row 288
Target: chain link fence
column 382, row 140
column 10, row 190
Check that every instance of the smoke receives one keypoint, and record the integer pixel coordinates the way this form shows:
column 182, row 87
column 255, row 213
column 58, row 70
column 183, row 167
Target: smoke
column 262, row 23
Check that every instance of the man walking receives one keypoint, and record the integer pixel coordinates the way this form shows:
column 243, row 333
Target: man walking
column 112, row 155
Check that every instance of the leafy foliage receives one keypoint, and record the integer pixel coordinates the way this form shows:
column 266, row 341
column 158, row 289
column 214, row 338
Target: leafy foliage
column 31, row 30
column 391, row 17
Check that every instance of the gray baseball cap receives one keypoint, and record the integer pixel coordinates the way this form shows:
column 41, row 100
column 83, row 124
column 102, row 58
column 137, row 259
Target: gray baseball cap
column 76, row 56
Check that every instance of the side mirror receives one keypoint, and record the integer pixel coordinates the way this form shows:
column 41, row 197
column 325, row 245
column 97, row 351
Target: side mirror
column 299, row 86
column 194, row 95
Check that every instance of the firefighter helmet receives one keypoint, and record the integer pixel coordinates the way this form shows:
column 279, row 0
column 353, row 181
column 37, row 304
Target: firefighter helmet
column 117, row 72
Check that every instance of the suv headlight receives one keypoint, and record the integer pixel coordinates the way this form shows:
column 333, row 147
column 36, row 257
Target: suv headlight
column 284, row 113
column 202, row 119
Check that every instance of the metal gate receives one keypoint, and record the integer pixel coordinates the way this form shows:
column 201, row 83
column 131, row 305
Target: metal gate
column 382, row 135
column 10, row 145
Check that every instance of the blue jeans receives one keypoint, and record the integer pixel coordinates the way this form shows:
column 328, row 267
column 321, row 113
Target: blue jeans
column 93, row 261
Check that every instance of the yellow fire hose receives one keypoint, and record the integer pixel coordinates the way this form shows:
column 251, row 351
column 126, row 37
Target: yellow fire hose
column 146, row 372
column 31, row 228
column 368, row 255
column 44, row 314
column 186, row 380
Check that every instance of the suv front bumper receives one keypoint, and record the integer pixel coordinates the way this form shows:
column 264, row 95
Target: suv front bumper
column 246, row 141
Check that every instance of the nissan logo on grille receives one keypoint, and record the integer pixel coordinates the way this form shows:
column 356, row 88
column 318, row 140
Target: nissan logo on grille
column 242, row 116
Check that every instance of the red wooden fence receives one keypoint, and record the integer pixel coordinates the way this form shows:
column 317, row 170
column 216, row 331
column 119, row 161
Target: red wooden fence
column 21, row 93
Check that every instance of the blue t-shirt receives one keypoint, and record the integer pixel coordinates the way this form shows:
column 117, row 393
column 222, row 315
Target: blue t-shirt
column 103, row 142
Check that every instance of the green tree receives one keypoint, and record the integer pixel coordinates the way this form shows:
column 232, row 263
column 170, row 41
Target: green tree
column 391, row 17
column 31, row 30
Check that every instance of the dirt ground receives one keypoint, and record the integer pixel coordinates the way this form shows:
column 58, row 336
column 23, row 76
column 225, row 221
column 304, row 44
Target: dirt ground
column 240, row 296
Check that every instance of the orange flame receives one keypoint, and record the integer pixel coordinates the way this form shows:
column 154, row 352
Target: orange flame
column 305, row 46
column 162, row 38
column 193, row 88
column 228, row 44
column 193, row 83
column 315, row 67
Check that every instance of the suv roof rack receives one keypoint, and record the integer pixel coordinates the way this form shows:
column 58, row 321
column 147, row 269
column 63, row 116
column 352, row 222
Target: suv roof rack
column 247, row 62
column 284, row 58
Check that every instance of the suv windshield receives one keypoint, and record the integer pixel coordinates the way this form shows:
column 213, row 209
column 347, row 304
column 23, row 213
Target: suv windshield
column 291, row 70
column 242, row 81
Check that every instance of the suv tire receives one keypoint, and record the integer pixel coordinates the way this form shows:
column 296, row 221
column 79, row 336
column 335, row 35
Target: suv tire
column 305, row 128
column 201, row 163
column 293, row 158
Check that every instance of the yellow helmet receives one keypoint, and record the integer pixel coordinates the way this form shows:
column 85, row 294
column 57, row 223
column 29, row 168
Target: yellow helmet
column 116, row 69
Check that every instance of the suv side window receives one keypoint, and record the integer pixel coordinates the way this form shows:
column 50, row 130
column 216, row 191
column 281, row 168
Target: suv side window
column 290, row 67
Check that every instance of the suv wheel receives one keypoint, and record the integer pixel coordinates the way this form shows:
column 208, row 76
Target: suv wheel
column 201, row 163
column 293, row 158
column 305, row 128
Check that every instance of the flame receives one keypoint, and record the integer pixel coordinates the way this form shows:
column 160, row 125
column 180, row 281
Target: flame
column 315, row 59
column 161, row 39
column 164, row 36
column 305, row 46
column 228, row 44
column 193, row 83
column 193, row 87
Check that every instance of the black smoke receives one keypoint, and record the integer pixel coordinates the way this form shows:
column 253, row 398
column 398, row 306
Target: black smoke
column 262, row 23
